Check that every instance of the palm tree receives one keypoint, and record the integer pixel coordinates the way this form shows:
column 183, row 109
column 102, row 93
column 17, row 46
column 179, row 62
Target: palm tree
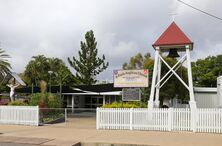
column 4, row 63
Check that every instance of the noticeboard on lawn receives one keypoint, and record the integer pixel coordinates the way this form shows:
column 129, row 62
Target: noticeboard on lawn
column 131, row 94
column 131, row 78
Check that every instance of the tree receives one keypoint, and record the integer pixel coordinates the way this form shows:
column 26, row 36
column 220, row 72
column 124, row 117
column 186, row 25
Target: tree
column 171, row 89
column 141, row 62
column 206, row 71
column 4, row 64
column 37, row 70
column 62, row 73
column 4, row 67
column 88, row 66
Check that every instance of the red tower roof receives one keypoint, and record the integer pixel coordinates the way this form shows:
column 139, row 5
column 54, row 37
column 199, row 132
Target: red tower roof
column 173, row 35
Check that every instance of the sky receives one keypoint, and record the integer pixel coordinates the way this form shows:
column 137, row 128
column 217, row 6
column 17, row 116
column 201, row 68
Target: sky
column 122, row 28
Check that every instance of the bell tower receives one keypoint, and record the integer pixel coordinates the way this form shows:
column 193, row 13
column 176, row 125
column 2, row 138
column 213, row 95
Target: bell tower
column 172, row 41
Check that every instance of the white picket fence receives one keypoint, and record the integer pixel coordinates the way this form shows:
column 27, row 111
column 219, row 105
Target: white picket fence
column 209, row 120
column 160, row 119
column 24, row 115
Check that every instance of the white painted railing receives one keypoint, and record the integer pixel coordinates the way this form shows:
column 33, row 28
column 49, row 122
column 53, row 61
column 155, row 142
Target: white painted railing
column 143, row 119
column 209, row 120
column 180, row 119
column 172, row 119
column 24, row 115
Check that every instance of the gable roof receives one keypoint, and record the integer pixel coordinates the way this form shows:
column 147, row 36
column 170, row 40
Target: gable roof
column 173, row 35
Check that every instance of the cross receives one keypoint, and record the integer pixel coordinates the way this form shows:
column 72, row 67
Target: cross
column 173, row 15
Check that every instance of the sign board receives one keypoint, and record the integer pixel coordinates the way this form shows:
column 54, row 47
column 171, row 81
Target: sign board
column 131, row 94
column 130, row 78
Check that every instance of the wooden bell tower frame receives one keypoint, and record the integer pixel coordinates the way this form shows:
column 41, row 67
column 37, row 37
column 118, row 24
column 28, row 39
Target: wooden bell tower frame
column 172, row 37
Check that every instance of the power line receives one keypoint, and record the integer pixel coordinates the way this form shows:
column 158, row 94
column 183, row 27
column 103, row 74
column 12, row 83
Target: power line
column 211, row 15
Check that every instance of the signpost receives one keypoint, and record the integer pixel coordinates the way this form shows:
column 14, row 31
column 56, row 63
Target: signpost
column 131, row 94
column 131, row 78
column 131, row 81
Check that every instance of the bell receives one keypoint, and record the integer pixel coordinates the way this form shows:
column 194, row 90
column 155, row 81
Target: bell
column 173, row 53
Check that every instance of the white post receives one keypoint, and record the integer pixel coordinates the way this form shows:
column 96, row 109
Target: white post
column 37, row 115
column 97, row 118
column 170, row 114
column 193, row 119
column 190, row 80
column 73, row 103
column 131, row 119
column 66, row 116
column 104, row 99
column 192, row 101
column 157, row 101
column 219, row 91
column 150, row 103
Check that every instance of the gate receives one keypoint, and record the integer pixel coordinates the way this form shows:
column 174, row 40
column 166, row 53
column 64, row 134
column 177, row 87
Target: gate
column 81, row 118
column 52, row 116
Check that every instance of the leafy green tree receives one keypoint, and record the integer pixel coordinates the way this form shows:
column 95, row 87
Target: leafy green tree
column 37, row 70
column 206, row 71
column 4, row 68
column 136, row 62
column 141, row 62
column 62, row 74
column 171, row 89
column 88, row 66
column 4, row 63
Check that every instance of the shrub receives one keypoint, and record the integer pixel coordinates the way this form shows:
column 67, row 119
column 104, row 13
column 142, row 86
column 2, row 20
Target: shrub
column 4, row 97
column 18, row 103
column 35, row 99
column 46, row 100
column 4, row 100
column 125, row 105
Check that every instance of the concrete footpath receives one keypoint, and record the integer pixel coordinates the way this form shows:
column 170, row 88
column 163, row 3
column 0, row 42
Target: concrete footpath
column 75, row 132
